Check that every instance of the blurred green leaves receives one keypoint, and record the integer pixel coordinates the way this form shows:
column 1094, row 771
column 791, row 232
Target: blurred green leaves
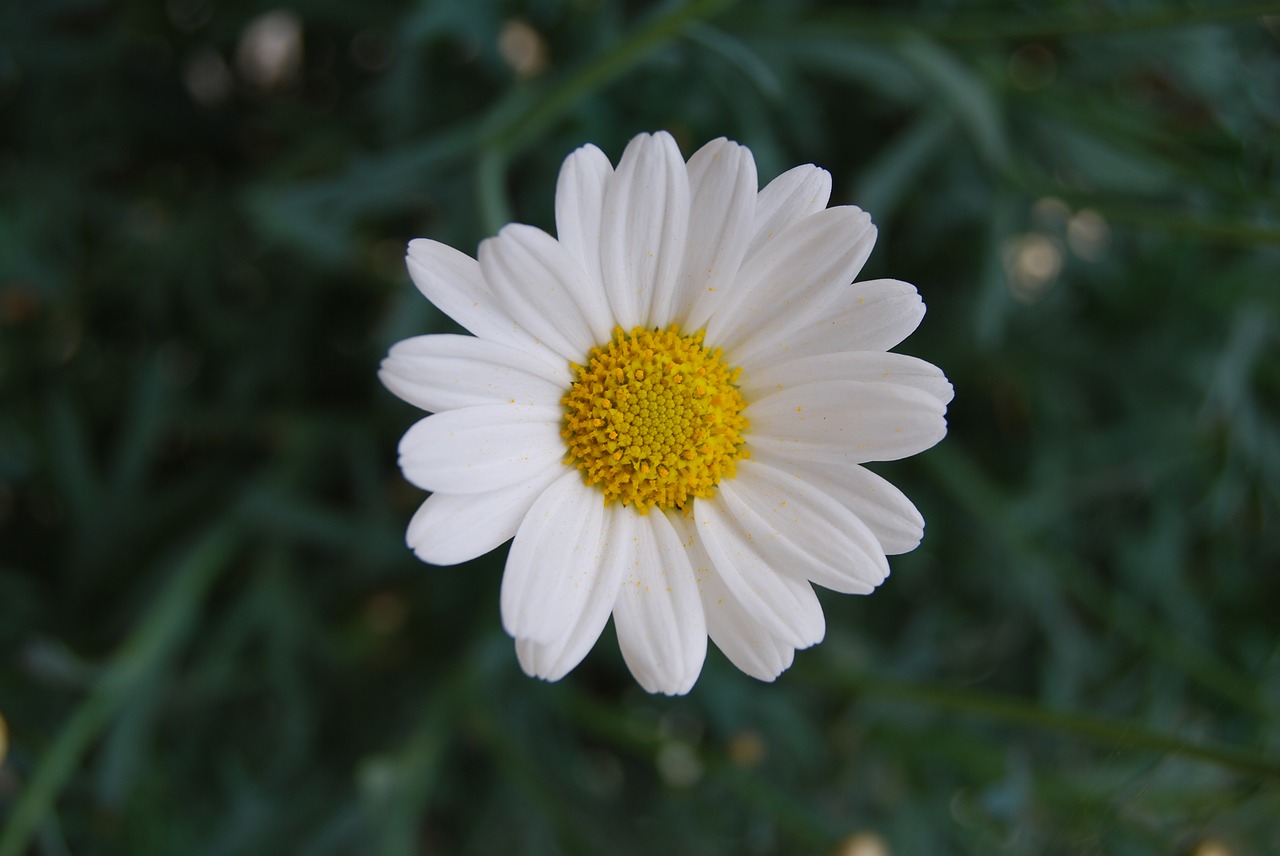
column 124, row 694
column 212, row 639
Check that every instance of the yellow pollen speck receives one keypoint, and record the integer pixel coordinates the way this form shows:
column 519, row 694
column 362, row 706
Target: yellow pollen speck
column 637, row 432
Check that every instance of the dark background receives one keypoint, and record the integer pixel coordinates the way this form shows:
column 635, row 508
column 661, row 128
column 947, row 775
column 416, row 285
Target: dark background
column 213, row 640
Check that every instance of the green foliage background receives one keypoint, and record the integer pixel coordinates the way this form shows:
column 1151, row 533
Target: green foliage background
column 213, row 641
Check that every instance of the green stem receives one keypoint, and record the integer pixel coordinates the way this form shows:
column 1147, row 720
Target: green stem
column 1224, row 230
column 1023, row 713
column 155, row 640
column 516, row 127
column 978, row 28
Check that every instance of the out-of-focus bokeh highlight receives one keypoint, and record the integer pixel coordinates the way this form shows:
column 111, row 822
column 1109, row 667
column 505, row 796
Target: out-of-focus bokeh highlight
column 213, row 640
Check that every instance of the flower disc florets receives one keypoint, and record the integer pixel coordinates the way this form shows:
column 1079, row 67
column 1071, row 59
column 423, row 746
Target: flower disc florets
column 654, row 418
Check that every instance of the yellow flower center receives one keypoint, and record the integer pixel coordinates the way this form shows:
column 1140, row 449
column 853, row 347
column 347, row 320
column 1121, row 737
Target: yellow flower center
column 653, row 419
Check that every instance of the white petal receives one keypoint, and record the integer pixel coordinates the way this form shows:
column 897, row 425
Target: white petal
column 553, row 660
column 478, row 449
column 867, row 316
column 661, row 629
column 859, row 421
column 786, row 608
column 722, row 186
column 741, row 638
column 646, row 217
column 788, row 199
column 452, row 281
column 555, row 560
column 450, row 528
column 865, row 366
column 579, row 206
column 546, row 290
column 802, row 268
column 803, row 531
column 890, row 516
column 445, row 372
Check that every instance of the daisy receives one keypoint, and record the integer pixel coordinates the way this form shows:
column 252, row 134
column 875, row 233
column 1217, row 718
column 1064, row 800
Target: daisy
column 668, row 406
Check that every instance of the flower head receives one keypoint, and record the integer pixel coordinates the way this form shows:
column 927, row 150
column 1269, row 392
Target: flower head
column 668, row 406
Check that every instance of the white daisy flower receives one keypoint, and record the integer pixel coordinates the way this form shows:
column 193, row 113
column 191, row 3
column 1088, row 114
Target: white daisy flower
column 668, row 406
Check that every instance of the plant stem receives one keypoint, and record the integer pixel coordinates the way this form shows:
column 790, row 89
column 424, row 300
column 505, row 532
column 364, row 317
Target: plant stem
column 156, row 639
column 520, row 128
column 980, row 28
column 1030, row 715
column 517, row 127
